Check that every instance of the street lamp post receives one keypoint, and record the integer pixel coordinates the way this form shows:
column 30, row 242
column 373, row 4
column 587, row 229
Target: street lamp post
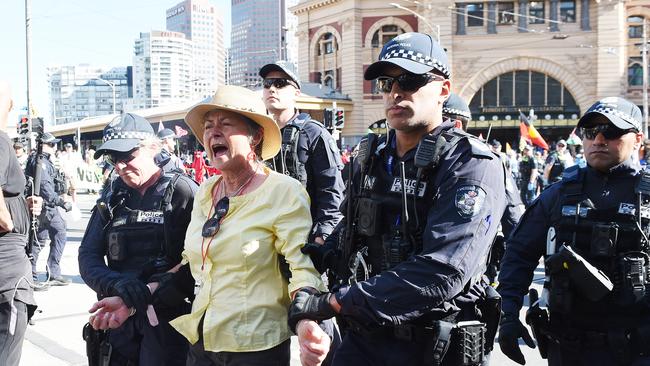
column 112, row 85
column 435, row 29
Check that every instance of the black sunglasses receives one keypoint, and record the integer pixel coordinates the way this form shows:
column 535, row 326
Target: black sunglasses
column 610, row 132
column 408, row 82
column 279, row 83
column 212, row 226
column 115, row 157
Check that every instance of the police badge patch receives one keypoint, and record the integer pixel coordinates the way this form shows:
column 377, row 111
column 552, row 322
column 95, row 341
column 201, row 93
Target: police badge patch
column 469, row 200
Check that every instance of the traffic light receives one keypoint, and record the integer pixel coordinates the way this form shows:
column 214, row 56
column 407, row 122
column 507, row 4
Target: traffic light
column 339, row 118
column 328, row 117
column 23, row 126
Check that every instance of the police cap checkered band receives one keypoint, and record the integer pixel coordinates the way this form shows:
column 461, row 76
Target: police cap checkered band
column 414, row 52
column 619, row 111
column 456, row 112
column 124, row 133
column 127, row 135
column 419, row 58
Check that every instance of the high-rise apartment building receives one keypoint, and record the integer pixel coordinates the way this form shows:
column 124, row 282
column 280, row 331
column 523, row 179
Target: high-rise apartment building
column 81, row 91
column 259, row 36
column 201, row 22
column 162, row 69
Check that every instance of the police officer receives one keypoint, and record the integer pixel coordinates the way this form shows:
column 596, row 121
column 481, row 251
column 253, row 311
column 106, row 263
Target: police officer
column 16, row 297
column 528, row 174
column 167, row 158
column 425, row 206
column 592, row 229
column 51, row 223
column 457, row 110
column 556, row 162
column 139, row 225
column 309, row 153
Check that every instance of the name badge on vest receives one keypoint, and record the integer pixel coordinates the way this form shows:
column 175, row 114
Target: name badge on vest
column 153, row 217
column 627, row 208
column 409, row 184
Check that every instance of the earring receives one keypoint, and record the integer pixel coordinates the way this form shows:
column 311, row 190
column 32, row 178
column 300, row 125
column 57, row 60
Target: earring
column 251, row 155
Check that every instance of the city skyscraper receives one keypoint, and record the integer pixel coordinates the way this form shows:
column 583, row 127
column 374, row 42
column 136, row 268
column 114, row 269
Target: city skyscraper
column 162, row 69
column 201, row 23
column 81, row 91
column 259, row 36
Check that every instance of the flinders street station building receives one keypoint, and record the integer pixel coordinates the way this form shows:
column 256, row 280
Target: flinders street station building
column 554, row 57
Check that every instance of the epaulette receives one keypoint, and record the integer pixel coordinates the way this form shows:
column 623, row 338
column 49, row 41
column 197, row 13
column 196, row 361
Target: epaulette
column 480, row 149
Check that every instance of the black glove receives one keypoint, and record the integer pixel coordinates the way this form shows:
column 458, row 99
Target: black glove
column 322, row 255
column 133, row 292
column 67, row 206
column 510, row 330
column 309, row 305
column 173, row 288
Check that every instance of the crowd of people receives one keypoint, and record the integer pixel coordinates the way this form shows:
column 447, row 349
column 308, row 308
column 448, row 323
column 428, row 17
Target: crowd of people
column 220, row 261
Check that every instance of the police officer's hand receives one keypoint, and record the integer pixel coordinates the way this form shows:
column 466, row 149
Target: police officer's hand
column 510, row 330
column 309, row 304
column 133, row 292
column 35, row 205
column 172, row 289
column 323, row 256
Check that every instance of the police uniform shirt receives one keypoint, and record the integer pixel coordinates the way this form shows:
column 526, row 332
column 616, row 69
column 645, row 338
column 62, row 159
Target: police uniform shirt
column 92, row 266
column 467, row 204
column 318, row 151
column 47, row 192
column 13, row 258
column 528, row 242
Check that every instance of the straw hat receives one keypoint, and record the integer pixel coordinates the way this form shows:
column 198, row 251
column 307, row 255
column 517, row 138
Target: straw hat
column 241, row 101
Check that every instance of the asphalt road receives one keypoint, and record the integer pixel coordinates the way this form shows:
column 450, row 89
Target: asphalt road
column 55, row 338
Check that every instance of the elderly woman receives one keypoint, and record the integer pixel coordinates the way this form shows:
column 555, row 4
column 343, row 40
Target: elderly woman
column 242, row 221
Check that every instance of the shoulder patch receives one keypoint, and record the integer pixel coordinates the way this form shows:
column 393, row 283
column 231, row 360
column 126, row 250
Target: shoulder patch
column 469, row 200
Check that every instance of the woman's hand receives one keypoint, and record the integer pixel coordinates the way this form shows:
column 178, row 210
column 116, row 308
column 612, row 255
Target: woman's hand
column 314, row 343
column 109, row 313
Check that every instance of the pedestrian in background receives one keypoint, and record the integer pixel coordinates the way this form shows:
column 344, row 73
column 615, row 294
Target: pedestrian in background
column 51, row 227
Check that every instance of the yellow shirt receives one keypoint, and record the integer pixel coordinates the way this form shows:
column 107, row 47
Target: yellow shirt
column 242, row 293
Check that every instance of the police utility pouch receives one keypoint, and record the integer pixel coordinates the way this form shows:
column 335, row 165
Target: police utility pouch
column 589, row 280
column 116, row 247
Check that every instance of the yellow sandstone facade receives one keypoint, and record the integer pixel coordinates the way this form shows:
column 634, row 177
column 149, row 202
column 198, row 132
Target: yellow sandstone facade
column 555, row 57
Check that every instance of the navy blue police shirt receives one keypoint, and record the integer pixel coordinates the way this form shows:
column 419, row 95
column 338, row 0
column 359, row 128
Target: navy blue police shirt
column 318, row 151
column 527, row 244
column 461, row 223
column 92, row 251
column 50, row 198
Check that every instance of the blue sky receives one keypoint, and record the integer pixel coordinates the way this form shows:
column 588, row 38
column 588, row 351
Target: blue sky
column 71, row 32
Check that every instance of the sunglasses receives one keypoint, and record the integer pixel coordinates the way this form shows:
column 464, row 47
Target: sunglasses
column 610, row 132
column 279, row 83
column 408, row 82
column 212, row 226
column 119, row 157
